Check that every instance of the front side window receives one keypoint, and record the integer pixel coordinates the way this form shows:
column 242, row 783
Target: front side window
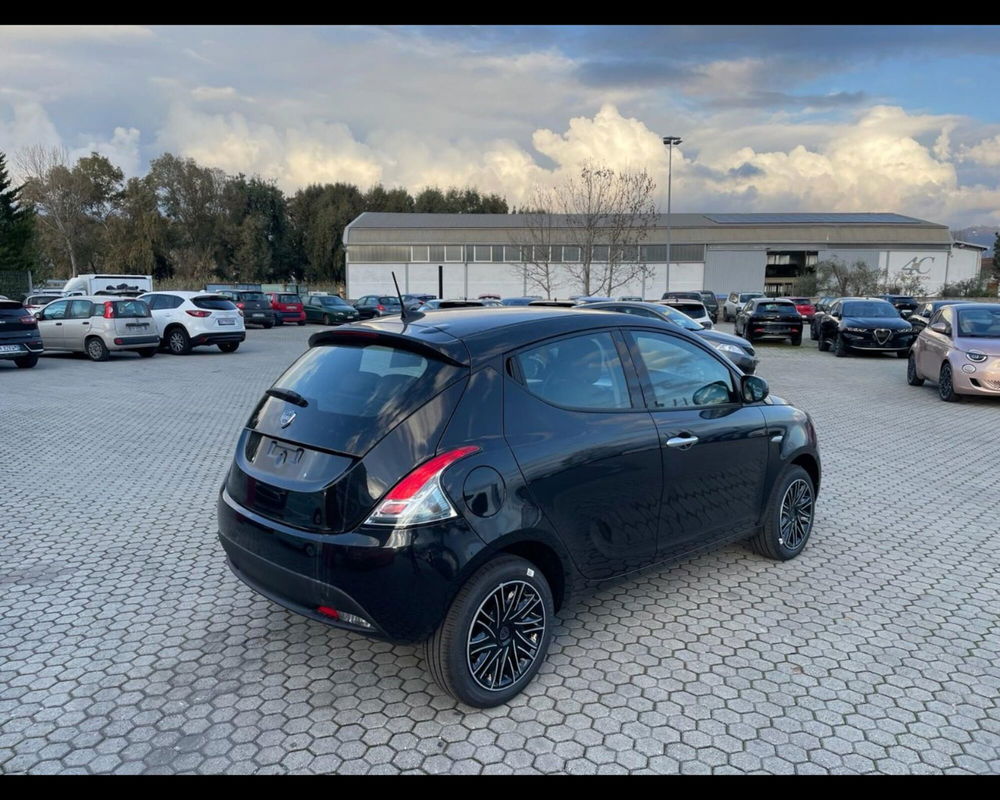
column 681, row 375
column 56, row 310
column 577, row 372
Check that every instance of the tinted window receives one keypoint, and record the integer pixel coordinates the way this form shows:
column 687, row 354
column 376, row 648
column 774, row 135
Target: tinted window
column 214, row 303
column 389, row 301
column 331, row 301
column 691, row 309
column 289, row 298
column 56, row 310
column 681, row 374
column 579, row 372
column 81, row 309
column 777, row 308
column 748, row 296
column 251, row 296
column 356, row 393
column 870, row 308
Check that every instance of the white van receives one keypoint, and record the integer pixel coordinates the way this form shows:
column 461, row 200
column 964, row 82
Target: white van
column 106, row 284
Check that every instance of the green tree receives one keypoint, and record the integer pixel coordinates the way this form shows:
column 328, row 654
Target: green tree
column 136, row 234
column 17, row 225
column 396, row 200
column 318, row 215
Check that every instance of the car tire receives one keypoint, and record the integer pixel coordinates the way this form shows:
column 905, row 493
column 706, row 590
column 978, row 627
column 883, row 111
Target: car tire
column 841, row 349
column 796, row 340
column 912, row 377
column 812, row 333
column 447, row 651
column 326, row 319
column 789, row 516
column 301, row 322
column 229, row 347
column 147, row 352
column 824, row 344
column 269, row 325
column 178, row 341
column 946, row 388
column 96, row 349
column 26, row 362
column 902, row 354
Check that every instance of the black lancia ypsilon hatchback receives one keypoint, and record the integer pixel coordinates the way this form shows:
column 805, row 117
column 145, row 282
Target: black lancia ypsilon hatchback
column 454, row 478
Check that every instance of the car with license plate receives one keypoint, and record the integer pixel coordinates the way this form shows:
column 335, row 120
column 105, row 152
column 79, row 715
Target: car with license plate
column 769, row 318
column 456, row 479
column 287, row 308
column 864, row 324
column 185, row 320
column 960, row 351
column 20, row 340
column 375, row 305
column 693, row 308
column 256, row 306
column 329, row 309
column 805, row 307
column 98, row 325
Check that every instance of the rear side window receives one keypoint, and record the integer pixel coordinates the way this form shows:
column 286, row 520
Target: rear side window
column 214, row 303
column 578, row 372
column 356, row 393
column 681, row 375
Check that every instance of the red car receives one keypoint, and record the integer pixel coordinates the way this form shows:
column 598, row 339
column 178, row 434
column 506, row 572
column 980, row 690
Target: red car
column 805, row 307
column 287, row 308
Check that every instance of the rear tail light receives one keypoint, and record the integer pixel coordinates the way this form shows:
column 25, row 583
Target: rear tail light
column 198, row 313
column 28, row 320
column 240, row 305
column 109, row 310
column 380, row 307
column 419, row 498
column 343, row 616
column 119, row 341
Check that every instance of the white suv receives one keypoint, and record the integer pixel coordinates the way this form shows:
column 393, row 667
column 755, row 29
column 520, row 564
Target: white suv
column 195, row 319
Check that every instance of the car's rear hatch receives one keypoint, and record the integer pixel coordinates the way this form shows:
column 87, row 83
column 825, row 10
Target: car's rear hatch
column 132, row 317
column 351, row 416
column 222, row 312
column 254, row 305
column 17, row 328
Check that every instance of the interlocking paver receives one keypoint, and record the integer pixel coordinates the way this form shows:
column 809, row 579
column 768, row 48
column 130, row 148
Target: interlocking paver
column 126, row 646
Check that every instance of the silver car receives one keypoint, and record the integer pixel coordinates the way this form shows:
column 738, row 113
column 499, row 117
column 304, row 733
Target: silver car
column 98, row 326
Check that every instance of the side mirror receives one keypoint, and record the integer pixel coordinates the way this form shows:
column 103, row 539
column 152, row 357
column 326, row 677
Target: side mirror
column 941, row 327
column 39, row 315
column 753, row 389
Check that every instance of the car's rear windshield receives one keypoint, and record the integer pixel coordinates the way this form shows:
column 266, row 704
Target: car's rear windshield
column 251, row 296
column 389, row 301
column 777, row 308
column 982, row 323
column 800, row 301
column 214, row 303
column 355, row 394
column 127, row 308
column 691, row 309
column 870, row 308
column 748, row 296
column 289, row 298
column 11, row 308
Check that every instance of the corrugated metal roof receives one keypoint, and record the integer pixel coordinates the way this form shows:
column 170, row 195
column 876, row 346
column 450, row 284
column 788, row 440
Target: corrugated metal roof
column 814, row 219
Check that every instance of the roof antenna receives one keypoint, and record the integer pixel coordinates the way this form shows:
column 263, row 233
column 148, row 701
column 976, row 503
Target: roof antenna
column 406, row 315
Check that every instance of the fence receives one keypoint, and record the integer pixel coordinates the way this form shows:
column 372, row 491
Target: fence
column 15, row 285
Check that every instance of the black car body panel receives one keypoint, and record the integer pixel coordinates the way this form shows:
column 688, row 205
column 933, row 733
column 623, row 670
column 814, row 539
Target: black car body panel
column 19, row 334
column 854, row 320
column 904, row 304
column 920, row 318
column 256, row 306
column 588, row 494
column 765, row 317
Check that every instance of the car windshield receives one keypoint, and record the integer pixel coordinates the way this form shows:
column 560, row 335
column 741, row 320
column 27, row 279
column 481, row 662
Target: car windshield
column 331, row 301
column 680, row 319
column 871, row 308
column 979, row 323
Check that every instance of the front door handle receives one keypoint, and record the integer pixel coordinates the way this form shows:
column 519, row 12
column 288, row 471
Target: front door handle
column 682, row 442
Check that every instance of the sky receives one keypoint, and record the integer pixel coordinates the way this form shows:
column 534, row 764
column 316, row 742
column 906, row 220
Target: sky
column 773, row 118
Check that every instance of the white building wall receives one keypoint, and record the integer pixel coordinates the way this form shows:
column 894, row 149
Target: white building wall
column 964, row 264
column 930, row 265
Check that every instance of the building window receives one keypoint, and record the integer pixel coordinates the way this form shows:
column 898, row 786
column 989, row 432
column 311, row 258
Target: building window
column 557, row 254
column 686, row 252
column 600, row 253
column 512, row 253
column 453, row 252
column 437, row 252
column 379, row 253
column 571, row 254
column 420, row 252
column 542, row 253
column 654, row 252
column 497, row 253
column 482, row 252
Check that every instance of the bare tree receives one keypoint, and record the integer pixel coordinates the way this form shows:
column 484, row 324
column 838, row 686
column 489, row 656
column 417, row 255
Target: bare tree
column 48, row 185
column 535, row 240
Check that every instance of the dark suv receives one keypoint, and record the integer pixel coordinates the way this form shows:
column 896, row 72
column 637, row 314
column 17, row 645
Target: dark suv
column 456, row 478
column 20, row 339
column 256, row 307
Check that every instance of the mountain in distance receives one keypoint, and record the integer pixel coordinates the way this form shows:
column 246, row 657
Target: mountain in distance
column 977, row 234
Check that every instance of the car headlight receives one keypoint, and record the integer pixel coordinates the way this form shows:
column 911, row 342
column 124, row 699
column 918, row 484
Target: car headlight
column 729, row 348
column 856, row 330
column 977, row 356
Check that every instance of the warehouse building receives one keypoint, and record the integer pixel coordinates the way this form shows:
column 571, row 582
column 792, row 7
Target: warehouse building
column 474, row 254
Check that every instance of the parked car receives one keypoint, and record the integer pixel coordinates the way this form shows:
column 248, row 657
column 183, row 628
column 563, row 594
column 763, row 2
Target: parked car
column 822, row 308
column 904, row 304
column 584, row 299
column 20, row 340
column 630, row 299
column 287, row 308
column 329, row 309
column 693, row 308
column 256, row 306
column 864, row 323
column 960, row 351
column 98, row 325
column 436, row 305
column 461, row 504
column 518, row 301
column 769, row 318
column 37, row 302
column 554, row 303
column 414, row 301
column 919, row 318
column 488, row 297
column 706, row 298
column 195, row 319
column 373, row 305
column 737, row 350
column 736, row 300
column 805, row 307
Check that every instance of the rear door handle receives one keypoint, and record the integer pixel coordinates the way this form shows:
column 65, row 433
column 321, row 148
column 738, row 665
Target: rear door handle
column 682, row 442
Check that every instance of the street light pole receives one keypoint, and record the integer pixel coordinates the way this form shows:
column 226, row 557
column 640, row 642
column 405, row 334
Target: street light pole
column 669, row 141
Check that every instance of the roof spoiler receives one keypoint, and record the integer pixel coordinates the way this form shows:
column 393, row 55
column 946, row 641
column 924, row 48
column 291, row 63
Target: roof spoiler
column 452, row 353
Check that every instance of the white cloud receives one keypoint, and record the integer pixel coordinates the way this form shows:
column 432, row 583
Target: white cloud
column 60, row 34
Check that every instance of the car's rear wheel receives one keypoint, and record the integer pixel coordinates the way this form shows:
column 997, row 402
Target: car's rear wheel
column 902, row 354
column 824, row 345
column 178, row 342
column 96, row 349
column 841, row 348
column 495, row 635
column 147, row 352
column 26, row 362
column 229, row 347
column 912, row 377
column 788, row 519
column 796, row 340
column 946, row 386
column 302, row 322
column 269, row 325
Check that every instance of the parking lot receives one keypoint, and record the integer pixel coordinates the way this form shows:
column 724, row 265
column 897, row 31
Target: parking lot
column 127, row 646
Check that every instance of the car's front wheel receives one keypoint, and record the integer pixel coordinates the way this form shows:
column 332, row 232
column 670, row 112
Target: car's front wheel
column 841, row 349
column 796, row 340
column 495, row 635
column 946, row 385
column 788, row 519
column 912, row 377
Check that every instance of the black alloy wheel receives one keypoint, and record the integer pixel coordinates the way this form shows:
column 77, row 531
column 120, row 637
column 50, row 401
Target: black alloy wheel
column 946, row 386
column 911, row 372
column 841, row 349
column 788, row 520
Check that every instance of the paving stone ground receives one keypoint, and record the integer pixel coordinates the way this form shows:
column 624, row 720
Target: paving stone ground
column 126, row 646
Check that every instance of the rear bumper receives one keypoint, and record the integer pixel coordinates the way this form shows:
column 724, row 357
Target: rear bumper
column 290, row 316
column 401, row 582
column 217, row 338
column 30, row 347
